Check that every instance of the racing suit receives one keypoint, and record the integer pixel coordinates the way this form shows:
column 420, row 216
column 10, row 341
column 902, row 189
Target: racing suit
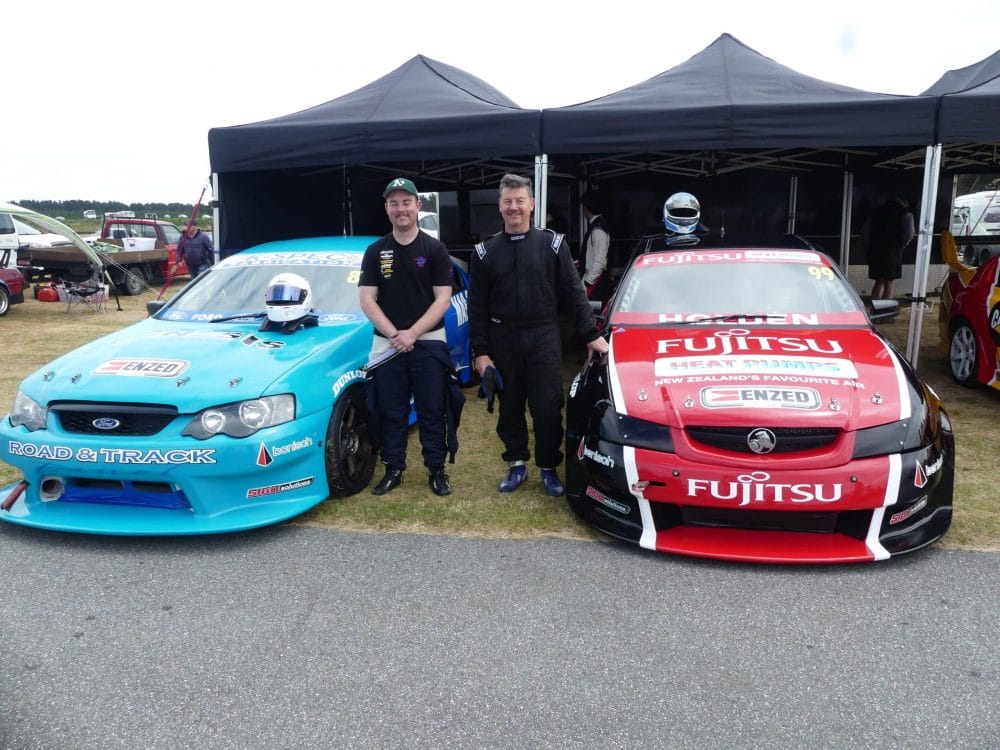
column 517, row 285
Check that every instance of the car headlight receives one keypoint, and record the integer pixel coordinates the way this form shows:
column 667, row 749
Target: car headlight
column 625, row 430
column 897, row 437
column 28, row 412
column 242, row 418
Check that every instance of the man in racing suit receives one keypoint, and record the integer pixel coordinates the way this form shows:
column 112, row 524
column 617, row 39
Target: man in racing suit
column 519, row 279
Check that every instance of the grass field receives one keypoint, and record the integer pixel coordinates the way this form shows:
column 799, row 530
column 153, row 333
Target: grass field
column 43, row 331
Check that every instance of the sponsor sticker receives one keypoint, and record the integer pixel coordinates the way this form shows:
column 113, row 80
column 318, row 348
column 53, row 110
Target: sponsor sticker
column 275, row 489
column 728, row 397
column 904, row 514
column 129, row 456
column 597, row 458
column 756, row 487
column 603, row 499
column 143, row 368
column 343, row 380
column 755, row 365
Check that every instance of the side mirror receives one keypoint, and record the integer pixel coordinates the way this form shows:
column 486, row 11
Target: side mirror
column 153, row 306
column 884, row 309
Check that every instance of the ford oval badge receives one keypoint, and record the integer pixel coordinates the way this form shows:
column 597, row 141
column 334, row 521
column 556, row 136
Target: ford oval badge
column 106, row 423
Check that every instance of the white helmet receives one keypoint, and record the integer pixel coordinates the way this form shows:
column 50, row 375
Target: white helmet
column 288, row 298
column 681, row 213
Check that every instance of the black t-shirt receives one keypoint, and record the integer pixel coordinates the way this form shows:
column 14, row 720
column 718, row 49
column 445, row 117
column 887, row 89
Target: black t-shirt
column 405, row 276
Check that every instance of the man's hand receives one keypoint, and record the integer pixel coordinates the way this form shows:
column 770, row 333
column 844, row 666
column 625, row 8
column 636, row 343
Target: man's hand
column 404, row 340
column 481, row 363
column 596, row 347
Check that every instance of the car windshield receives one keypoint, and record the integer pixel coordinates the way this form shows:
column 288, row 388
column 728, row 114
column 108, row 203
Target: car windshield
column 236, row 287
column 748, row 286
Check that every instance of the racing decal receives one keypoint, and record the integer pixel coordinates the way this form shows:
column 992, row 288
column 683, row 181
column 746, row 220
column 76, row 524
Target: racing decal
column 603, row 499
column 338, row 318
column 249, row 340
column 922, row 474
column 597, row 458
column 901, row 386
column 264, row 457
column 129, row 456
column 460, row 304
column 993, row 323
column 648, row 538
column 904, row 514
column 481, row 250
column 274, row 489
column 343, row 380
column 771, row 319
column 143, row 368
column 757, row 487
column 304, row 258
column 841, row 369
column 556, row 242
column 758, row 256
column 891, row 496
column 729, row 397
column 741, row 340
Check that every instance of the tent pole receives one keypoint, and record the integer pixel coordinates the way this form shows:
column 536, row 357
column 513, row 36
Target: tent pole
column 928, row 201
column 541, row 189
column 847, row 206
column 216, row 217
column 793, row 202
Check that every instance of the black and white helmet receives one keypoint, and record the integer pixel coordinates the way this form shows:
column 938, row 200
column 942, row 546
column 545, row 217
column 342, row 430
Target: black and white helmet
column 288, row 297
column 681, row 213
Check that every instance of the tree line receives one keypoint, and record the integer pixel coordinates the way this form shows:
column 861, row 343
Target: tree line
column 73, row 209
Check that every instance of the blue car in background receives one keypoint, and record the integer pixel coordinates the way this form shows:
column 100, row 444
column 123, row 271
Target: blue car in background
column 194, row 420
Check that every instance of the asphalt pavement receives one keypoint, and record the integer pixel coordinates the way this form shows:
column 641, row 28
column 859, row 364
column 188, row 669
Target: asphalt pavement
column 304, row 637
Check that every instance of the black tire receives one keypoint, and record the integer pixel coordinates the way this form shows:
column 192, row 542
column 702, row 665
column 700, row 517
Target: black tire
column 133, row 282
column 4, row 301
column 963, row 355
column 350, row 454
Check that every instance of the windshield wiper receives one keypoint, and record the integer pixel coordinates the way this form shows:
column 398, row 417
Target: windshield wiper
column 241, row 316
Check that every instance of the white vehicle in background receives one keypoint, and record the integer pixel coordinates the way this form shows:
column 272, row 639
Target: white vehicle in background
column 977, row 214
column 428, row 222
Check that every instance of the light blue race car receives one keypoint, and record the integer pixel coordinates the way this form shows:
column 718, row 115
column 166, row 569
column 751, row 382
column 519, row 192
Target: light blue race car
column 195, row 420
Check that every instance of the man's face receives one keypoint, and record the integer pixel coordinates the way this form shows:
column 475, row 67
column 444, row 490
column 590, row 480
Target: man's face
column 401, row 207
column 516, row 206
column 192, row 230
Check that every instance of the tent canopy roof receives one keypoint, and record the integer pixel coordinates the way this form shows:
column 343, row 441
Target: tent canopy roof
column 966, row 78
column 729, row 96
column 423, row 109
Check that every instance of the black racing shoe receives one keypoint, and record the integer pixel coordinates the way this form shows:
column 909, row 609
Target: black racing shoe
column 392, row 479
column 439, row 482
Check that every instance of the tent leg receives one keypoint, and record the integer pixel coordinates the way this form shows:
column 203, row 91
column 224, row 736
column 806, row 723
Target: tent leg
column 928, row 200
column 793, row 202
column 846, row 209
column 541, row 189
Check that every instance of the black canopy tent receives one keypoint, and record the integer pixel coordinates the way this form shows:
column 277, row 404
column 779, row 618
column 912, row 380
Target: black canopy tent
column 295, row 175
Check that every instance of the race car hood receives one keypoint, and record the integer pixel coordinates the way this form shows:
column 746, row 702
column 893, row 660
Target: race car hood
column 196, row 365
column 840, row 377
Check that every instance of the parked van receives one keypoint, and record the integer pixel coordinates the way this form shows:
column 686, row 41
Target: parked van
column 90, row 214
column 977, row 214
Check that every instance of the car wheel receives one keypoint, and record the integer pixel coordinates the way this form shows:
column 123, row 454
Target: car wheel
column 4, row 301
column 133, row 282
column 350, row 454
column 963, row 355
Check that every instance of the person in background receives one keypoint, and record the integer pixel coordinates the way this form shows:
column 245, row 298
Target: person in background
column 888, row 231
column 594, row 249
column 519, row 278
column 405, row 289
column 196, row 249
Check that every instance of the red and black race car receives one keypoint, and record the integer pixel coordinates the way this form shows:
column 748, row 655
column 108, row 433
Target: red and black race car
column 969, row 317
column 748, row 410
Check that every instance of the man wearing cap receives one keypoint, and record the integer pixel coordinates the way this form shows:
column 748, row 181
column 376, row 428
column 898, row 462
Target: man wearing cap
column 405, row 289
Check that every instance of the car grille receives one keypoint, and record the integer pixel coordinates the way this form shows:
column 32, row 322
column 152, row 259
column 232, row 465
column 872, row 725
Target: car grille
column 786, row 439
column 132, row 419
column 852, row 522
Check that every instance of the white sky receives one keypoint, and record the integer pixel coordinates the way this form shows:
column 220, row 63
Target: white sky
column 114, row 100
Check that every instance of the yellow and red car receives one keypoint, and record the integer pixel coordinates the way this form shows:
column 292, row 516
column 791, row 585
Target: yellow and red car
column 969, row 318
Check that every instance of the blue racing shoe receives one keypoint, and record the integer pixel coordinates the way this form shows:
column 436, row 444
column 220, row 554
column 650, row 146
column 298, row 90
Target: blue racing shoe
column 553, row 484
column 514, row 479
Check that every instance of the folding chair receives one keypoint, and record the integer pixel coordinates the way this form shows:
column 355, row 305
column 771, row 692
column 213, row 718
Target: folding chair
column 91, row 294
